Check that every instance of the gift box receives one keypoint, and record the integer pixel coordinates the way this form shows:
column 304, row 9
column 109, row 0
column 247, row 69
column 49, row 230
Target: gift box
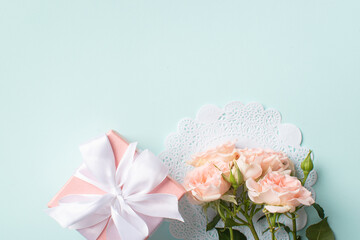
column 76, row 186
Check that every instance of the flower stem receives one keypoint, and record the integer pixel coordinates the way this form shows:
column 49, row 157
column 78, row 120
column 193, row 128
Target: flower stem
column 250, row 223
column 231, row 234
column 248, row 216
column 293, row 217
column 271, row 221
column 253, row 231
column 273, row 234
column 304, row 179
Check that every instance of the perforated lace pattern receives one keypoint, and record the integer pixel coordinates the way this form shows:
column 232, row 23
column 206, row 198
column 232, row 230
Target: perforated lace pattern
column 251, row 126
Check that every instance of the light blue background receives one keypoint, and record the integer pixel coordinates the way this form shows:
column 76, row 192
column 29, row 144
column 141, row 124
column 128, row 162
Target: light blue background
column 71, row 70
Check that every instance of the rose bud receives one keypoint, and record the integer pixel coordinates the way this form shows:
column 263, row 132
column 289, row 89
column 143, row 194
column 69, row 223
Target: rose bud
column 237, row 174
column 307, row 166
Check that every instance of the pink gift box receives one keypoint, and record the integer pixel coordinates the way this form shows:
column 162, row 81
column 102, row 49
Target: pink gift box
column 119, row 146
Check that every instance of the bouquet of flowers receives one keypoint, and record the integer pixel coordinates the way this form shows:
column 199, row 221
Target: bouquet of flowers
column 238, row 183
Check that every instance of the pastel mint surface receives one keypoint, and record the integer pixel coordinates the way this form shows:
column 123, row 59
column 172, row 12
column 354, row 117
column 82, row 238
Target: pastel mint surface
column 72, row 70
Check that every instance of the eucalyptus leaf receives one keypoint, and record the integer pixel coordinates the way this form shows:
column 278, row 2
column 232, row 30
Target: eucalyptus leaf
column 224, row 234
column 213, row 222
column 320, row 231
column 319, row 210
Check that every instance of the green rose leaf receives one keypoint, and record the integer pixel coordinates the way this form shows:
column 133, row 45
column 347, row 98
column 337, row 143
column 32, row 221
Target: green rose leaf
column 224, row 234
column 239, row 235
column 319, row 210
column 286, row 228
column 320, row 231
column 213, row 222
column 229, row 222
column 261, row 218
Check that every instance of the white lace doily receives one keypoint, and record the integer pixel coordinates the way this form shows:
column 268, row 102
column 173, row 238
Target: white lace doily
column 252, row 126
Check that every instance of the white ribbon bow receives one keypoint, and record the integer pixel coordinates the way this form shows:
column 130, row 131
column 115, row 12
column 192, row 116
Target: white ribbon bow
column 127, row 201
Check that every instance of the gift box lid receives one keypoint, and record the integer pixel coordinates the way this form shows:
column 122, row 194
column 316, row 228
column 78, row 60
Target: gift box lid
column 77, row 186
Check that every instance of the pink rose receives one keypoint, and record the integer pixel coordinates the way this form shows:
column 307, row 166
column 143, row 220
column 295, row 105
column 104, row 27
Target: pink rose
column 221, row 156
column 205, row 183
column 255, row 162
column 279, row 192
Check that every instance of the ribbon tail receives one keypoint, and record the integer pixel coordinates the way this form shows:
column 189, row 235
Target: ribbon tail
column 119, row 228
column 93, row 232
column 156, row 205
column 81, row 211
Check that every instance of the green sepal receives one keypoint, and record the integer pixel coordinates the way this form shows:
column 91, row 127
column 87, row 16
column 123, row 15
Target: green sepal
column 238, row 175
column 229, row 198
column 233, row 180
column 226, row 178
